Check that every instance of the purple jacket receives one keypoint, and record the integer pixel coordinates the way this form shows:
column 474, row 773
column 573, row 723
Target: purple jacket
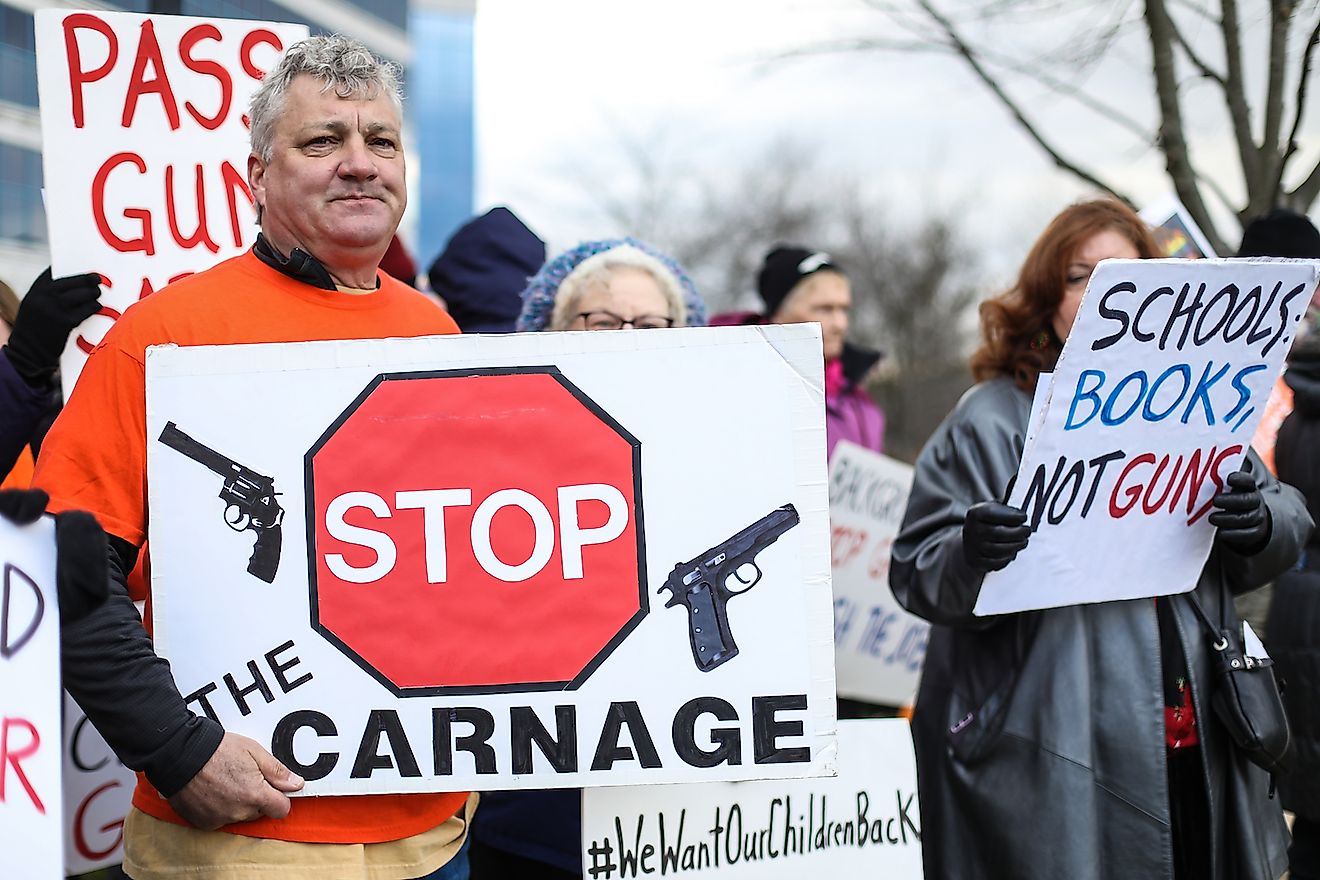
column 850, row 414
column 21, row 409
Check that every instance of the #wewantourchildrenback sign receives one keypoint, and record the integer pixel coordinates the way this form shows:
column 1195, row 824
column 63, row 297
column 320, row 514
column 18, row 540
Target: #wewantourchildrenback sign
column 145, row 145
column 499, row 562
column 878, row 646
column 30, row 836
column 1151, row 406
column 864, row 823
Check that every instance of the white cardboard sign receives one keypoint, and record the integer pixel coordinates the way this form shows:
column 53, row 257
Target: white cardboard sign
column 98, row 790
column 878, row 646
column 30, row 806
column 863, row 823
column 475, row 539
column 1151, row 406
column 144, row 148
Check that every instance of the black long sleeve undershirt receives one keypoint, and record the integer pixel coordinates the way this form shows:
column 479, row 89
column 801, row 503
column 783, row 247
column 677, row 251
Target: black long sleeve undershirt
column 111, row 669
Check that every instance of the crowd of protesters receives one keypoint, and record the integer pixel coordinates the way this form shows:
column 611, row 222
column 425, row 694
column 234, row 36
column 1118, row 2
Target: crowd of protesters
column 1072, row 742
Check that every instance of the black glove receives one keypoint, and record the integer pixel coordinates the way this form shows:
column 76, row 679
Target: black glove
column 46, row 317
column 81, row 565
column 993, row 534
column 1242, row 518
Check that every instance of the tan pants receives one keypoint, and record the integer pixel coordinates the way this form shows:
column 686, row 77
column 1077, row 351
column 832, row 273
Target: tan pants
column 156, row 850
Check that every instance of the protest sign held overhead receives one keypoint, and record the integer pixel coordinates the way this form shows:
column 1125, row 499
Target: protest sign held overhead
column 30, row 798
column 1152, row 405
column 878, row 646
column 864, row 823
column 144, row 145
column 458, row 546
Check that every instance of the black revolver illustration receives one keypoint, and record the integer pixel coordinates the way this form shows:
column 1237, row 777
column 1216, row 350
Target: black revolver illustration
column 700, row 585
column 249, row 499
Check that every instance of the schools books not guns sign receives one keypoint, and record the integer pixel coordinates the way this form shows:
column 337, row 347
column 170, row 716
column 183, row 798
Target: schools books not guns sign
column 499, row 562
column 1152, row 405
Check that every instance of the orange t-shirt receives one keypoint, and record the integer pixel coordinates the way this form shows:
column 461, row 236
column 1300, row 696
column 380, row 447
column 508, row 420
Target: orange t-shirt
column 95, row 459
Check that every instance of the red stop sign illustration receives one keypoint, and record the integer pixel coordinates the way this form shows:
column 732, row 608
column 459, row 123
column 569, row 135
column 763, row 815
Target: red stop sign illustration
column 475, row 531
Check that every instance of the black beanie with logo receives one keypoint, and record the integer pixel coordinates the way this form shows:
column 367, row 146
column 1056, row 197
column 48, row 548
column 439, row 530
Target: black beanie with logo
column 784, row 267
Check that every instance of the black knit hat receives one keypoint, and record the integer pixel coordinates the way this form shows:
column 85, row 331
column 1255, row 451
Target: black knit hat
column 783, row 268
column 1280, row 233
column 484, row 267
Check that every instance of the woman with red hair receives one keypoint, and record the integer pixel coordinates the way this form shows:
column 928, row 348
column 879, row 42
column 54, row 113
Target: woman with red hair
column 1074, row 742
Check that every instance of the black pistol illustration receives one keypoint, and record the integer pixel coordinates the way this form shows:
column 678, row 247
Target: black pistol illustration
column 701, row 587
column 249, row 499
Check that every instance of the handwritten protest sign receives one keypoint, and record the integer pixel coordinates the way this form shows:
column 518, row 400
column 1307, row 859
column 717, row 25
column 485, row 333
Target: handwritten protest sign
column 97, row 792
column 1176, row 233
column 878, row 646
column 144, row 148
column 29, row 702
column 458, row 585
column 1152, row 404
column 864, row 823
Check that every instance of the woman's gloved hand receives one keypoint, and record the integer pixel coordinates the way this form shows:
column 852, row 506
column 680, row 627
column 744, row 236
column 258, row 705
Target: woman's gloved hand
column 46, row 317
column 81, row 566
column 1241, row 516
column 993, row 534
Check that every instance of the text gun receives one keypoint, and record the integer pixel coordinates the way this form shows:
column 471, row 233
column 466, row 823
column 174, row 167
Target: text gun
column 701, row 586
column 249, row 499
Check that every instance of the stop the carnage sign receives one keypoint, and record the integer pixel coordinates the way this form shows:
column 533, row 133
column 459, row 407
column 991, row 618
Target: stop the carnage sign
column 500, row 562
column 579, row 498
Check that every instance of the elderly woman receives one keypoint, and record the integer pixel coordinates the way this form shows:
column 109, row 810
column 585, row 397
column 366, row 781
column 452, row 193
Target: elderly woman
column 1074, row 742
column 609, row 285
column 598, row 285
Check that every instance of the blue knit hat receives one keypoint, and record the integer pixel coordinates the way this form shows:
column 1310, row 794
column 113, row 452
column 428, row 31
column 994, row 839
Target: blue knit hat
column 539, row 296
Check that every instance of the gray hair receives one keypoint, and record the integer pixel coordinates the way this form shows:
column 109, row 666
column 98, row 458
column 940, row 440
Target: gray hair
column 598, row 268
column 341, row 63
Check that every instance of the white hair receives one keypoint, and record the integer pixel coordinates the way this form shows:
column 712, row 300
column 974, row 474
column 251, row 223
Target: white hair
column 597, row 270
column 342, row 63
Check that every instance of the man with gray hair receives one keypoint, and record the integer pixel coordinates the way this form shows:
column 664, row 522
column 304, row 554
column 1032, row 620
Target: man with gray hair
column 327, row 176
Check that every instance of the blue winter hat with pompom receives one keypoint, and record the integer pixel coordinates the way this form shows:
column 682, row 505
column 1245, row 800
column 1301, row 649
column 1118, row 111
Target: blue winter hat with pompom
column 539, row 296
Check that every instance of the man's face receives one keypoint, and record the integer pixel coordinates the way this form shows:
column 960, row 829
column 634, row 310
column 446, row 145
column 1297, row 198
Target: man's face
column 825, row 298
column 334, row 185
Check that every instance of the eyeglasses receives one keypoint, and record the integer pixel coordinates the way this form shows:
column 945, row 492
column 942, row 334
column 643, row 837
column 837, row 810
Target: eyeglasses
column 602, row 320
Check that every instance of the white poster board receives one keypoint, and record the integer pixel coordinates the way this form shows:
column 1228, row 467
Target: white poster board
column 863, row 823
column 878, row 646
column 30, row 807
column 144, row 148
column 1152, row 405
column 476, row 535
column 97, row 792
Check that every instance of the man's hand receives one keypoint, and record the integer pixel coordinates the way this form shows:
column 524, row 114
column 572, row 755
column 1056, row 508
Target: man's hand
column 241, row 782
column 993, row 534
column 1241, row 516
column 46, row 317
column 81, row 566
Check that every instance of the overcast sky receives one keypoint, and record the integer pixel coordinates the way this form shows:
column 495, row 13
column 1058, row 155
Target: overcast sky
column 561, row 82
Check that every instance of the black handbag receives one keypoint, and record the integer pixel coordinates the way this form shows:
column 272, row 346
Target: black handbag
column 1246, row 696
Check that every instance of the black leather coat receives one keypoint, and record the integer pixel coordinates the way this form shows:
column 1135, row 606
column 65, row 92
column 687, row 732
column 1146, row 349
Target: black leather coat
column 1040, row 736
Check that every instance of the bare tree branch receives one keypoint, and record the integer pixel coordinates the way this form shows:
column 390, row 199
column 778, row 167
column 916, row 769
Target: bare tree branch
column 1235, row 93
column 1299, row 110
column 1206, row 70
column 1266, row 193
column 973, row 61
